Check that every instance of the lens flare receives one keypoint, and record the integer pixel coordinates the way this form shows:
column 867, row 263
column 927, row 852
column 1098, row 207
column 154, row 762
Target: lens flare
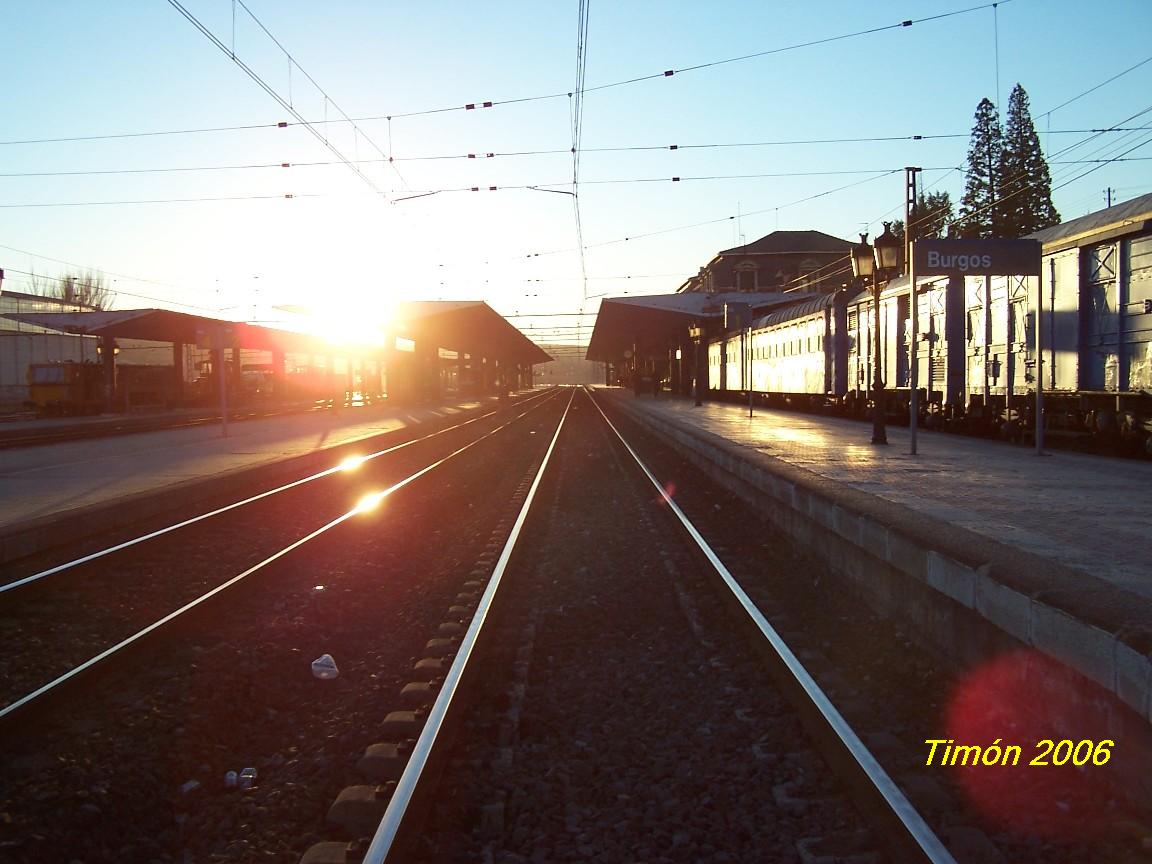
column 369, row 502
column 1048, row 788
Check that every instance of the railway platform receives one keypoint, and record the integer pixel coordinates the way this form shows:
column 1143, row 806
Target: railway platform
column 53, row 491
column 967, row 538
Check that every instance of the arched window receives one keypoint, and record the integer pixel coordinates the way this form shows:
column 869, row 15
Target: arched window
column 746, row 276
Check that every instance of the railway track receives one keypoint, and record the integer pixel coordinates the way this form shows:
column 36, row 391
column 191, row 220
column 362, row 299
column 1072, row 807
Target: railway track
column 149, row 573
column 228, row 684
column 610, row 711
column 538, row 660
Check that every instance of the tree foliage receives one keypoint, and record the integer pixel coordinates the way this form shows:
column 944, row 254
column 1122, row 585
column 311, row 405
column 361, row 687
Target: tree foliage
column 88, row 289
column 981, row 212
column 1026, row 185
column 932, row 217
column 1008, row 190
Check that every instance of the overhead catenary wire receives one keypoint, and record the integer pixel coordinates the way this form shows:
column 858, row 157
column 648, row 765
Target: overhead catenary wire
column 1020, row 180
column 255, row 166
column 32, row 278
column 638, row 180
column 267, row 88
column 208, row 199
column 327, row 98
column 86, row 267
column 498, row 154
column 577, row 132
column 472, row 106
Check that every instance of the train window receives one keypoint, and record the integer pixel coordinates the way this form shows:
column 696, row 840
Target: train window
column 1102, row 263
column 975, row 328
column 999, row 321
column 1016, row 322
column 1140, row 257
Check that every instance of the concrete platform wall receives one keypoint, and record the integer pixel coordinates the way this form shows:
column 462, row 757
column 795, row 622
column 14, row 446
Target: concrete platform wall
column 968, row 596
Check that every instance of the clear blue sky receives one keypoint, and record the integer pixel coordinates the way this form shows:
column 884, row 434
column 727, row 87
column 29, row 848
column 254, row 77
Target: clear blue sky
column 76, row 69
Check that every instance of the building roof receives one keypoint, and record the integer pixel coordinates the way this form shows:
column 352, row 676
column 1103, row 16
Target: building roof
column 164, row 325
column 469, row 326
column 795, row 242
column 1127, row 218
column 650, row 323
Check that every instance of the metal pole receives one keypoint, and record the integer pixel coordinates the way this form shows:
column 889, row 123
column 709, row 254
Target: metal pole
column 1039, row 419
column 748, row 358
column 696, row 370
column 879, row 433
column 223, row 382
column 913, row 381
column 914, row 396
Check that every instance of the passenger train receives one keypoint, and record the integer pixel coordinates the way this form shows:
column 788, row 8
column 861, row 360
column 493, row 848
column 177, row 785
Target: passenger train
column 976, row 360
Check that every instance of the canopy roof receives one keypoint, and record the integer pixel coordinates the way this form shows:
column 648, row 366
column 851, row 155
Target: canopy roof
column 654, row 322
column 164, row 325
column 472, row 327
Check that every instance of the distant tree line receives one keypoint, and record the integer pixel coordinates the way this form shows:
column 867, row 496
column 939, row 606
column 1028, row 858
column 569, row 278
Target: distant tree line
column 1007, row 189
column 87, row 288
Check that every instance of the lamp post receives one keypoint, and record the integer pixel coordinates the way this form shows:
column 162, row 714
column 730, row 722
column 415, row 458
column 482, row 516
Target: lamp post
column 879, row 263
column 696, row 333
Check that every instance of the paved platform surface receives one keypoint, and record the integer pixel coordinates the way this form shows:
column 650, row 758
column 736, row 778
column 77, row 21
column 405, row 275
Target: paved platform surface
column 54, row 479
column 1088, row 513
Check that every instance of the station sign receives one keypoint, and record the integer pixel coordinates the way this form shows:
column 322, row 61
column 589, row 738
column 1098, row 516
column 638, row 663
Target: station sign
column 976, row 257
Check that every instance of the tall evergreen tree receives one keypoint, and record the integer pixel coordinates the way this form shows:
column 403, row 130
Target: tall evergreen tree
column 1026, row 185
column 981, row 213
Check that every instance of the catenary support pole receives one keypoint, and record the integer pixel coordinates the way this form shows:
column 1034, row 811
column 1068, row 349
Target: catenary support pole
column 914, row 306
column 1039, row 418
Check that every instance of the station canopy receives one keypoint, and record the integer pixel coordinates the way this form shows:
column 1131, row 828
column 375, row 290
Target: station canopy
column 472, row 327
column 164, row 325
column 651, row 324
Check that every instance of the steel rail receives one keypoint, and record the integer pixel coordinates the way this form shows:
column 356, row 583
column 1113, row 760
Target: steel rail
column 911, row 834
column 366, row 502
column 359, row 460
column 382, row 842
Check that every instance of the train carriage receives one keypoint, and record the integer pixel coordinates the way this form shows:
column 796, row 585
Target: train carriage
column 799, row 353
column 977, row 367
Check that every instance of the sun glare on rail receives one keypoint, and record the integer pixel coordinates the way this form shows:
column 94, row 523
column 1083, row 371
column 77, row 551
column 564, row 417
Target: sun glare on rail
column 351, row 463
column 369, row 502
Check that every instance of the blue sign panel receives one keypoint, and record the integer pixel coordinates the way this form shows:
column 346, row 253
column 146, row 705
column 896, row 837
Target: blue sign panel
column 976, row 257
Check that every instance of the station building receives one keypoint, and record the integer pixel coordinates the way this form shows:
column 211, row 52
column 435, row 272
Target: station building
column 657, row 338
column 59, row 358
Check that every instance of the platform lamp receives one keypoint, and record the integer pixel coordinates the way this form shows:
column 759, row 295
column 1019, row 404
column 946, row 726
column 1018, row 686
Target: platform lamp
column 880, row 263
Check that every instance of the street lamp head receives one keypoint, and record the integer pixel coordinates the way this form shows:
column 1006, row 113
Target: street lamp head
column 863, row 262
column 889, row 252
